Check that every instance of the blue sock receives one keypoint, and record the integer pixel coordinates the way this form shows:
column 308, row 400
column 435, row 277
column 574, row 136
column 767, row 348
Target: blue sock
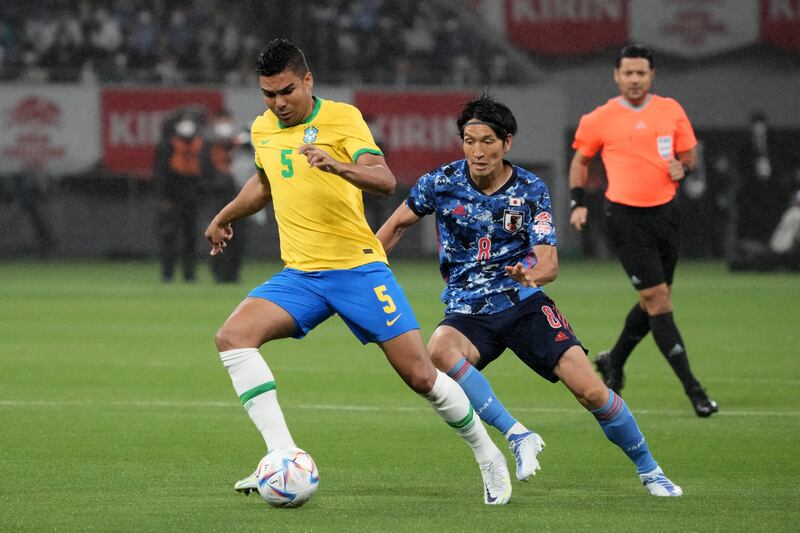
column 620, row 427
column 481, row 396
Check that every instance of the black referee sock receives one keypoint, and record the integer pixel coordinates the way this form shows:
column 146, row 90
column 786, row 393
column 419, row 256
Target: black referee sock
column 637, row 325
column 669, row 341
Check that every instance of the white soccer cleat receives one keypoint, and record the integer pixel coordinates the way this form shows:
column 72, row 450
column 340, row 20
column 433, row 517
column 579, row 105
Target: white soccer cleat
column 657, row 484
column 496, row 482
column 526, row 446
column 248, row 484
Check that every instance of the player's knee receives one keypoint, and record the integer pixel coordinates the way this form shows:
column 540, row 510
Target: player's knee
column 656, row 300
column 444, row 354
column 225, row 339
column 421, row 381
column 594, row 396
column 439, row 357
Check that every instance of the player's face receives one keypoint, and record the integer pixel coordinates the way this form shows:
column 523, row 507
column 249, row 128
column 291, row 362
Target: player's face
column 484, row 151
column 288, row 95
column 634, row 77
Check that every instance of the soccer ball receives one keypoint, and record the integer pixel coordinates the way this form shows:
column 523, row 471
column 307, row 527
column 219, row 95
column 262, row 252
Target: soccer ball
column 287, row 477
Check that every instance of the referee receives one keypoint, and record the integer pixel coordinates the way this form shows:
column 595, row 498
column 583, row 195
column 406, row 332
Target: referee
column 648, row 146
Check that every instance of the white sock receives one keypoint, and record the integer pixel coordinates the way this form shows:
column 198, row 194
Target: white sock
column 516, row 429
column 450, row 402
column 255, row 385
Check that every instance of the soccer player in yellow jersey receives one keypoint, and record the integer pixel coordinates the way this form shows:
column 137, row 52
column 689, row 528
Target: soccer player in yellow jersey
column 313, row 158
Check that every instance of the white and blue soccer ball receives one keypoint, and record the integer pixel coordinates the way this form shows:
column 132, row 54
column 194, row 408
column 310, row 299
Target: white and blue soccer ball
column 287, row 477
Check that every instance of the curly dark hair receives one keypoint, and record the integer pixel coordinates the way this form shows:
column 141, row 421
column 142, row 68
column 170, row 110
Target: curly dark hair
column 281, row 55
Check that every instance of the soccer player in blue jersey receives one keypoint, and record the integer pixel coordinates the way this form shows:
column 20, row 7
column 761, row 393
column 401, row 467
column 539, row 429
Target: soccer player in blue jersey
column 497, row 248
column 313, row 158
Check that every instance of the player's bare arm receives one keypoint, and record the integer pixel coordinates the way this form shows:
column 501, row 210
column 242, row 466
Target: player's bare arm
column 544, row 271
column 394, row 227
column 578, row 177
column 369, row 173
column 253, row 197
column 685, row 160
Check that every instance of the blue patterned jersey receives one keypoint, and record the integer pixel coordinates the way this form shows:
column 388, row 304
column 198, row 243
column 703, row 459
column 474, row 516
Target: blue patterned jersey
column 481, row 234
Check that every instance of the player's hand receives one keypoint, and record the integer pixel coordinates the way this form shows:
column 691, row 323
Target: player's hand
column 319, row 158
column 675, row 169
column 578, row 217
column 522, row 275
column 218, row 237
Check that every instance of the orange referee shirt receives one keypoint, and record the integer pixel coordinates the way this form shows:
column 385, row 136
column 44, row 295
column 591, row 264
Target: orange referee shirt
column 636, row 143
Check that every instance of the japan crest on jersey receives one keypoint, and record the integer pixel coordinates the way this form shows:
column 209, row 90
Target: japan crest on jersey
column 310, row 134
column 513, row 220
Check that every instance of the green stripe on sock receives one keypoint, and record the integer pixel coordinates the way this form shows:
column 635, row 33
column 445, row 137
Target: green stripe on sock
column 255, row 391
column 464, row 422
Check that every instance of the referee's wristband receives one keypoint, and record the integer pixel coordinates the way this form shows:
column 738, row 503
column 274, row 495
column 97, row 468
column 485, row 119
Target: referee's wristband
column 576, row 197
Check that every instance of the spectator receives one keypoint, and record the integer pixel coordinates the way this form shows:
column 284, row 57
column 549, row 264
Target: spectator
column 64, row 59
column 373, row 41
column 143, row 40
column 179, row 187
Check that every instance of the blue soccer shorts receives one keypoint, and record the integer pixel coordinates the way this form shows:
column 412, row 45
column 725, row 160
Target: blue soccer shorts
column 368, row 298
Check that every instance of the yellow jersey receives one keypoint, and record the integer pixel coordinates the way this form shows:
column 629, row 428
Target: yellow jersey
column 320, row 216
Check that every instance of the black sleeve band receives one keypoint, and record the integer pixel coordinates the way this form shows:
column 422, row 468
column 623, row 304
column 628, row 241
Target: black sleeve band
column 576, row 197
column 413, row 208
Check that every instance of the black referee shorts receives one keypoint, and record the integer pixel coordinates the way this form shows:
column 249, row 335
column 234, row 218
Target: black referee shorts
column 534, row 329
column 646, row 240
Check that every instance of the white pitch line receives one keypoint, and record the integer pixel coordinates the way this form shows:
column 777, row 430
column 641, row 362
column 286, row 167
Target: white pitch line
column 145, row 404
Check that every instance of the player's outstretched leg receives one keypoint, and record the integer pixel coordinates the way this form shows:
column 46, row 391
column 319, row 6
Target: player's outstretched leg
column 450, row 402
column 614, row 417
column 254, row 383
column 525, row 444
column 620, row 427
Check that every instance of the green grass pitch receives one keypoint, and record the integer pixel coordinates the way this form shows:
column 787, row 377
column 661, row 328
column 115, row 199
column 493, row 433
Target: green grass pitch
column 116, row 414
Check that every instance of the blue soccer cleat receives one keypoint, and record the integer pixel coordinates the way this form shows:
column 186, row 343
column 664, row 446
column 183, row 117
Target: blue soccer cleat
column 657, row 484
column 526, row 446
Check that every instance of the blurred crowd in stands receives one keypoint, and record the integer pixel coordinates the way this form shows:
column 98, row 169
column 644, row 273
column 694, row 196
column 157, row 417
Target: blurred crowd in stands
column 209, row 41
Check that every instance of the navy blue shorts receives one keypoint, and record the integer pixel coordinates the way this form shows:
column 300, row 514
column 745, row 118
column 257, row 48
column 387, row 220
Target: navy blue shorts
column 368, row 298
column 534, row 329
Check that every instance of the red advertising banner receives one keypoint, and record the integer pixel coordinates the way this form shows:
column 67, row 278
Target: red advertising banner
column 417, row 130
column 566, row 27
column 780, row 23
column 132, row 121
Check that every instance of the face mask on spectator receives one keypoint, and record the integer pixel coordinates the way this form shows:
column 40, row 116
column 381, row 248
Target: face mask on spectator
column 186, row 128
column 223, row 131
